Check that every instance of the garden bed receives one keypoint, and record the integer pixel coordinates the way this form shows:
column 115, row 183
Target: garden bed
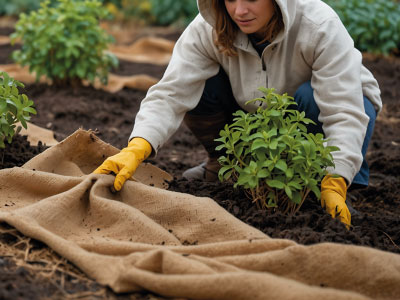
column 375, row 224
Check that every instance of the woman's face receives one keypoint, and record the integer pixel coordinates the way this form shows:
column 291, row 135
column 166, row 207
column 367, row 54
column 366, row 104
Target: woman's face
column 250, row 15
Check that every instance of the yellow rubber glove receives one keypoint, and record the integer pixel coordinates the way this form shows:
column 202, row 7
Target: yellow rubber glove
column 333, row 198
column 125, row 163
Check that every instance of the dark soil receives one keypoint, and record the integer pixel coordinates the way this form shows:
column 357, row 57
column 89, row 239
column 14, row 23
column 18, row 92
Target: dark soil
column 376, row 219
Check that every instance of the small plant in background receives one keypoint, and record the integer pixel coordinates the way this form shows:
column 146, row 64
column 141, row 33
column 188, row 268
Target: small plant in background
column 270, row 154
column 65, row 42
column 14, row 108
column 373, row 24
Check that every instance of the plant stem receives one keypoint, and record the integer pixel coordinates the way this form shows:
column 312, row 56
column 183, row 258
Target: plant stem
column 2, row 156
column 303, row 198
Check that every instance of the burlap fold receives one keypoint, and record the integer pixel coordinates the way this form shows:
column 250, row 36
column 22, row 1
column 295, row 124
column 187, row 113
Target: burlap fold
column 150, row 49
column 174, row 244
column 115, row 83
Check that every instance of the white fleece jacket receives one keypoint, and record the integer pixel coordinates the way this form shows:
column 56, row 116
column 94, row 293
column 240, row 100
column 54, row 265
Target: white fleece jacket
column 314, row 46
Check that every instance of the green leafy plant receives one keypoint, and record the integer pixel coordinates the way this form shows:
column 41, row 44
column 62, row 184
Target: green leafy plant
column 373, row 24
column 65, row 42
column 14, row 108
column 271, row 156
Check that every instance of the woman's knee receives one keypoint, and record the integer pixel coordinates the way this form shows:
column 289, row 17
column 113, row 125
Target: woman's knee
column 304, row 93
column 217, row 96
column 305, row 100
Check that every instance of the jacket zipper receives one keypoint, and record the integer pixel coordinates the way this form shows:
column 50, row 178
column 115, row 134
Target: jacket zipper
column 264, row 68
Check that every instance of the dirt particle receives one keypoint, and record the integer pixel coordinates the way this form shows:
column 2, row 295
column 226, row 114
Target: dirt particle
column 21, row 271
column 188, row 243
column 236, row 210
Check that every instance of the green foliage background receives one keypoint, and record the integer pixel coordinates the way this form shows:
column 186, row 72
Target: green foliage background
column 15, row 7
column 157, row 12
column 65, row 42
column 373, row 24
column 169, row 11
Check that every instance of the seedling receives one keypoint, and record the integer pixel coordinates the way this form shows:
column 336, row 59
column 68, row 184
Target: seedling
column 65, row 42
column 14, row 108
column 271, row 156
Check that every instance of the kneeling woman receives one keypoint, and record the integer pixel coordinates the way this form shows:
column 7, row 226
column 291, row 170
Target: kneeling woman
column 299, row 47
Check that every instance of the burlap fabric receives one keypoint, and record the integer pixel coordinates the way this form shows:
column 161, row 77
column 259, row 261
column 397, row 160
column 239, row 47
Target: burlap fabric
column 36, row 134
column 152, row 50
column 114, row 84
column 174, row 244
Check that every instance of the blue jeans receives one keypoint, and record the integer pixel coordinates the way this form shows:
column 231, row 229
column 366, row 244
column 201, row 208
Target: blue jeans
column 217, row 96
column 304, row 97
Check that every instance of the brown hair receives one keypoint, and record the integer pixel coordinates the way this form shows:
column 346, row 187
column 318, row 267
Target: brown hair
column 226, row 30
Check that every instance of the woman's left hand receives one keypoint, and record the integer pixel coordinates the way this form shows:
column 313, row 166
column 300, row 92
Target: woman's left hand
column 333, row 198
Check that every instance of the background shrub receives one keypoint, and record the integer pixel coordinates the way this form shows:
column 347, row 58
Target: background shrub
column 156, row 12
column 15, row 7
column 65, row 42
column 373, row 24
